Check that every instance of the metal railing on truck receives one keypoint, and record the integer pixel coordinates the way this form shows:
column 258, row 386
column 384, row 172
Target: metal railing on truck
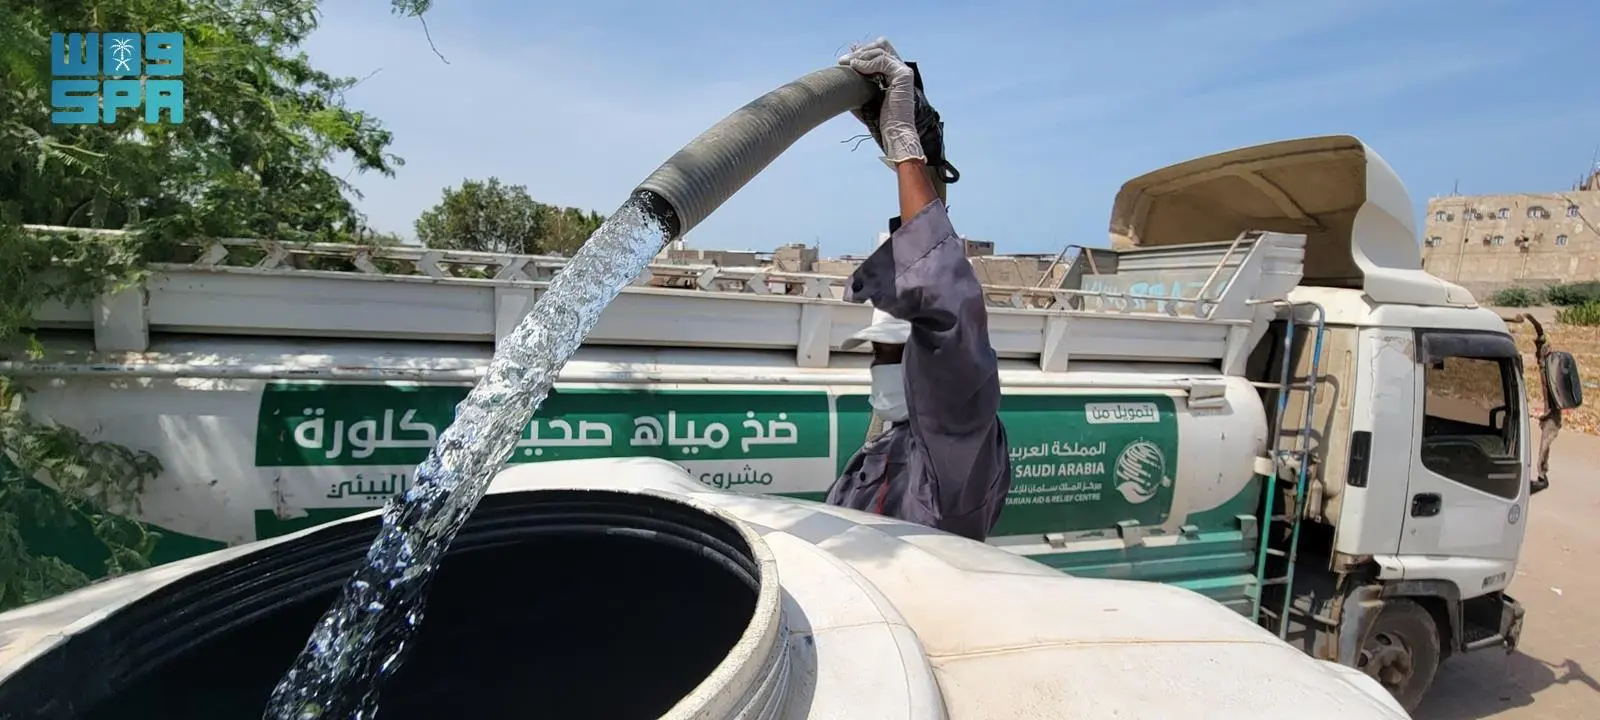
column 273, row 288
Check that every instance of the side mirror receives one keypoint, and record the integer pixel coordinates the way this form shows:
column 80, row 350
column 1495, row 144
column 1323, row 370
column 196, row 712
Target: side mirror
column 1566, row 385
column 1497, row 417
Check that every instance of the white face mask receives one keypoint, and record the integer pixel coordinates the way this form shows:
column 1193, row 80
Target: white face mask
column 888, row 397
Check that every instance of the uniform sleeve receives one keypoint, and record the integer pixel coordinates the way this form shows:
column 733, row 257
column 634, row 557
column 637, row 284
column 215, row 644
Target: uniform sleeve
column 922, row 275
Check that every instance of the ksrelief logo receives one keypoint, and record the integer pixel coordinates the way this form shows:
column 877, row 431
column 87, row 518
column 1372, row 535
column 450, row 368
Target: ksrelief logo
column 1141, row 471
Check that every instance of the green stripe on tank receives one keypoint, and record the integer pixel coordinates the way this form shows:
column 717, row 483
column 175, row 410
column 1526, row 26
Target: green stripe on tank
column 1218, row 561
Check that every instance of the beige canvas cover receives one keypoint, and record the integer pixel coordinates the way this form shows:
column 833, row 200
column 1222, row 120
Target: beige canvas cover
column 1358, row 220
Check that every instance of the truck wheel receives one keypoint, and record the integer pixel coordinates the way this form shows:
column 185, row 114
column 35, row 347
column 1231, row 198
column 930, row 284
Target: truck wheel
column 1402, row 651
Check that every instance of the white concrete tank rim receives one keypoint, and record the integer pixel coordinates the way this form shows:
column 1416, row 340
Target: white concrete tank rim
column 751, row 679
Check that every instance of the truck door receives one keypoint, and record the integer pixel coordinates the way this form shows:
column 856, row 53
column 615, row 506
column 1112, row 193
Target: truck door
column 1466, row 496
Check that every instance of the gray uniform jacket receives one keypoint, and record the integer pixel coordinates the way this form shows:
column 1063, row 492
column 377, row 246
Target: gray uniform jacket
column 948, row 465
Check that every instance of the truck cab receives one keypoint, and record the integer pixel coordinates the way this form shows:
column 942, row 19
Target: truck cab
column 1402, row 446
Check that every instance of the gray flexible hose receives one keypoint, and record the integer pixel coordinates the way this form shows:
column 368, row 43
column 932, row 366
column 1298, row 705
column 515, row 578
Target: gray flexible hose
column 712, row 167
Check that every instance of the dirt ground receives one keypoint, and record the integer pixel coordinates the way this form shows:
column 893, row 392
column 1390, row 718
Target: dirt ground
column 1550, row 676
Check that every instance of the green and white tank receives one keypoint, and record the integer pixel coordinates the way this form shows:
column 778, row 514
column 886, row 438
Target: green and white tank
column 1132, row 471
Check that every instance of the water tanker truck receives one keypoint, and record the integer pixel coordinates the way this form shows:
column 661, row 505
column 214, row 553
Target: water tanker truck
column 1256, row 394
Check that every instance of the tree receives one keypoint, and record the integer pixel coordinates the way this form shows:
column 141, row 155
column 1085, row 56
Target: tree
column 490, row 216
column 249, row 160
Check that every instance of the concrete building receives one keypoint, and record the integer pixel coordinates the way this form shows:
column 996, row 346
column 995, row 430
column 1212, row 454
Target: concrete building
column 1487, row 243
column 1025, row 270
column 721, row 258
column 795, row 257
column 839, row 266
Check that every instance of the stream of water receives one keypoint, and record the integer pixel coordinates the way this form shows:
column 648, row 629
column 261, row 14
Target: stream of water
column 362, row 638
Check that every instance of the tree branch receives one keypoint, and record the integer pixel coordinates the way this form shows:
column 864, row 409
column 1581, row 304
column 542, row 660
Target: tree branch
column 429, row 36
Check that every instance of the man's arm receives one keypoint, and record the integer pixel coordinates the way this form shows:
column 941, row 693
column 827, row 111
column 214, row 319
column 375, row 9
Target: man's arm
column 916, row 191
column 922, row 276
column 952, row 378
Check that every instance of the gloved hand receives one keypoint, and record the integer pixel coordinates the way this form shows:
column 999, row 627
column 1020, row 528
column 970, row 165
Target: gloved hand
column 896, row 130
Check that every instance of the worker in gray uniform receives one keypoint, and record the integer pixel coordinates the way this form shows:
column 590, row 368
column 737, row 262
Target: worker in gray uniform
column 942, row 459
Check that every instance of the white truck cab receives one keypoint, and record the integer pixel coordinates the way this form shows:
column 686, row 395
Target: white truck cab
column 1405, row 404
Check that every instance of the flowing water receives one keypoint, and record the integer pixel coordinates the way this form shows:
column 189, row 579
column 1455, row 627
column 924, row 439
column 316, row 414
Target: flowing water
column 362, row 638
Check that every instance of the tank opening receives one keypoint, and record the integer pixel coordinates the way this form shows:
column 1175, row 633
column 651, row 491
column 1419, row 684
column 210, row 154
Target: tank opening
column 541, row 607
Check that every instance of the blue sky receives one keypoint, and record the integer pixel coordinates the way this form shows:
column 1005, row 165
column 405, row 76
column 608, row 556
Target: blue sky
column 1048, row 106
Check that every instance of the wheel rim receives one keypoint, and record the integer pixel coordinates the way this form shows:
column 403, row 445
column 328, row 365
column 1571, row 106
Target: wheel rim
column 1387, row 659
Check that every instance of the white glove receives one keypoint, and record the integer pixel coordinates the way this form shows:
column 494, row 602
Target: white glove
column 896, row 132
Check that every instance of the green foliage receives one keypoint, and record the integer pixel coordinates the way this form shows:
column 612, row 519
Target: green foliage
column 1517, row 297
column 67, row 267
column 492, row 217
column 1587, row 314
column 1569, row 294
column 95, row 483
column 251, row 159
column 411, row 8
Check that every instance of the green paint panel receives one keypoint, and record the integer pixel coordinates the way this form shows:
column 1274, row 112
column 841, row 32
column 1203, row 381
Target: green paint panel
column 1217, row 562
column 310, row 424
column 854, row 416
column 1217, row 553
column 1219, row 565
column 1079, row 462
column 1245, row 502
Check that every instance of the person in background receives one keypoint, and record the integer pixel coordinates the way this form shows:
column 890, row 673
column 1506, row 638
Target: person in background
column 942, row 459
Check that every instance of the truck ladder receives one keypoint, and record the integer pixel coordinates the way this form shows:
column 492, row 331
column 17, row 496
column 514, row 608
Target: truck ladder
column 1291, row 462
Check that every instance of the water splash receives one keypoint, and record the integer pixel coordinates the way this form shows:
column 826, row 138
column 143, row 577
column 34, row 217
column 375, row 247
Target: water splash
column 362, row 638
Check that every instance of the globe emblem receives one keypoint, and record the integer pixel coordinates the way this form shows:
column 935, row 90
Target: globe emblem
column 1141, row 471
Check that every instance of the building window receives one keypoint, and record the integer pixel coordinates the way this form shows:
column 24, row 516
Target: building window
column 1572, row 211
column 1439, row 215
column 1538, row 212
column 1496, row 240
column 1503, row 213
column 1430, row 242
column 1561, row 239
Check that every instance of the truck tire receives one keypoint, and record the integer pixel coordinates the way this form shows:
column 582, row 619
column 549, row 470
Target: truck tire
column 1402, row 651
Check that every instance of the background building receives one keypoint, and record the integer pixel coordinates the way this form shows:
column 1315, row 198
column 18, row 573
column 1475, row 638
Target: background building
column 1028, row 270
column 1489, row 242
